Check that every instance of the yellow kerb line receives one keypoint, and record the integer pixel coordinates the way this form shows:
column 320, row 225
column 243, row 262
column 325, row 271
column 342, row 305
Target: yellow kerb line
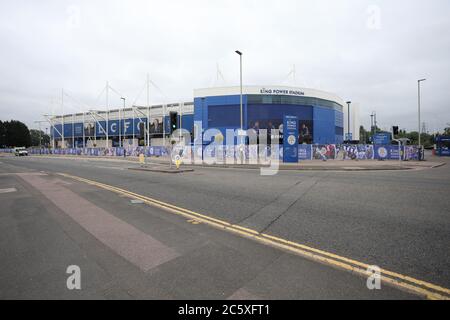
column 303, row 250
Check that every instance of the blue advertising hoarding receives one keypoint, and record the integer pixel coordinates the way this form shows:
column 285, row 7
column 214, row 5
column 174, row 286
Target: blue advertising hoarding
column 443, row 146
column 387, row 152
column 304, row 152
column 290, row 141
column 382, row 138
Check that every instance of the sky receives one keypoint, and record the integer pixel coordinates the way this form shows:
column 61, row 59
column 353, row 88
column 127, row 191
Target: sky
column 369, row 52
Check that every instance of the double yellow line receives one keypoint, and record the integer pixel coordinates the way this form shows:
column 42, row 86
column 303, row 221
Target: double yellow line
column 419, row 287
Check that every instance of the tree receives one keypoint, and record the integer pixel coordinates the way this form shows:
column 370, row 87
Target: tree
column 39, row 138
column 2, row 135
column 14, row 134
column 447, row 131
column 426, row 139
column 364, row 136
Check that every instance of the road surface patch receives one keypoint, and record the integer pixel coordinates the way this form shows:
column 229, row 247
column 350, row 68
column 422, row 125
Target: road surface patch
column 137, row 247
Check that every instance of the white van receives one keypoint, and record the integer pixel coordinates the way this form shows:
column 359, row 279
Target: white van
column 21, row 151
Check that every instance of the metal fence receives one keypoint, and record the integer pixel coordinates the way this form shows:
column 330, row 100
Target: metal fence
column 306, row 152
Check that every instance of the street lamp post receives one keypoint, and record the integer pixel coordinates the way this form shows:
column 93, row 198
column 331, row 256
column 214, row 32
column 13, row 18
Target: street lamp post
column 107, row 115
column 348, row 120
column 40, row 136
column 373, row 118
column 120, row 124
column 240, row 75
column 418, row 108
column 371, row 124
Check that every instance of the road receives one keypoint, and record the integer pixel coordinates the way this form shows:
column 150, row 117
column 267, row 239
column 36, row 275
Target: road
column 399, row 221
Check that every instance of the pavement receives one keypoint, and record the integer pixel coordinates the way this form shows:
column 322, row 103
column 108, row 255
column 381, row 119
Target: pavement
column 136, row 248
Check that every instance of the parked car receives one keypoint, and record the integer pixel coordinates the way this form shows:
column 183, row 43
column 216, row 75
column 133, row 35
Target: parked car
column 21, row 151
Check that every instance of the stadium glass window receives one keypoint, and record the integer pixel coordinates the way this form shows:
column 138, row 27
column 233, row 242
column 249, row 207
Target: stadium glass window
column 223, row 116
column 305, row 101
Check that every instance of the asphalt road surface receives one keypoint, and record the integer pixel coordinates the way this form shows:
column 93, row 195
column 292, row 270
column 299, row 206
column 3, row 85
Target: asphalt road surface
column 126, row 248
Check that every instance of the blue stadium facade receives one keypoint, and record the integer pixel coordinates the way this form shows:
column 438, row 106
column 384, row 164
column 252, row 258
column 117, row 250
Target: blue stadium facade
column 320, row 115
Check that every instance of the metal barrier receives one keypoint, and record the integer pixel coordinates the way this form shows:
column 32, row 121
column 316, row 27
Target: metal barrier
column 306, row 152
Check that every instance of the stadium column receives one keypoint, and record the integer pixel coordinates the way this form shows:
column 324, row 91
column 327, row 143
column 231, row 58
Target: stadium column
column 181, row 117
column 62, row 118
column 95, row 133
column 52, row 133
column 73, row 131
column 164, row 124
column 134, row 116
column 148, row 126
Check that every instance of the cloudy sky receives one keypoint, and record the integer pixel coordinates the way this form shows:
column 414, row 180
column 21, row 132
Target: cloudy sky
column 372, row 52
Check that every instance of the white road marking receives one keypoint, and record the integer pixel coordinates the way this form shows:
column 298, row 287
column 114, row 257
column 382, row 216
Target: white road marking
column 106, row 167
column 8, row 190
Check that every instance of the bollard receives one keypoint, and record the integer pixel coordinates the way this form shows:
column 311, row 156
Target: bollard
column 142, row 159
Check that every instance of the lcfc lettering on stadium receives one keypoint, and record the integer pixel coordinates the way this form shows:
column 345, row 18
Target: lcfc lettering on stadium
column 282, row 92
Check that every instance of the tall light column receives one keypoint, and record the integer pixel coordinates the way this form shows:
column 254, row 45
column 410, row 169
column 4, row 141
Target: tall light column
column 375, row 130
column 418, row 108
column 371, row 124
column 107, row 115
column 240, row 75
column 63, row 144
column 148, row 111
column 348, row 120
column 120, row 124
column 73, row 130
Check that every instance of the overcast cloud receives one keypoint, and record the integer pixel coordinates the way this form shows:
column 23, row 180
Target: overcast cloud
column 372, row 52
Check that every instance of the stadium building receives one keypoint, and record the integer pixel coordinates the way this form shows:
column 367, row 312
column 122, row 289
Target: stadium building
column 322, row 117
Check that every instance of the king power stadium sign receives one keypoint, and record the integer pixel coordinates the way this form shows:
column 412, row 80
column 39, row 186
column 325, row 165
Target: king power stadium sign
column 284, row 92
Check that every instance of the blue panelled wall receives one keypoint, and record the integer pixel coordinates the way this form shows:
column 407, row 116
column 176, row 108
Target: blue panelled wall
column 320, row 120
column 126, row 127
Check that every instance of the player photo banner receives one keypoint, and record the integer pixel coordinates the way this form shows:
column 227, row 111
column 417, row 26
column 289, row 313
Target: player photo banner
column 324, row 152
